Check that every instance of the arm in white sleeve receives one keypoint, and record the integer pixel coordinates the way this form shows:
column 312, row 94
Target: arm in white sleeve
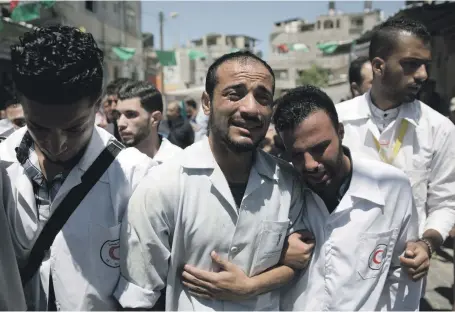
column 145, row 241
column 441, row 183
column 400, row 292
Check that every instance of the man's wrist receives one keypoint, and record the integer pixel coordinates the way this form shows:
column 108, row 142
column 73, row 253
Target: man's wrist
column 434, row 238
column 426, row 245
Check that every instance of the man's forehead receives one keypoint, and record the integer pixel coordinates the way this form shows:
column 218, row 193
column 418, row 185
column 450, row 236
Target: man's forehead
column 242, row 68
column 407, row 43
column 128, row 103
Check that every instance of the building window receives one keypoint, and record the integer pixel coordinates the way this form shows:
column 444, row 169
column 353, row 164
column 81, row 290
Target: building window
column 357, row 22
column 116, row 7
column 89, row 6
column 319, row 24
column 338, row 23
column 328, row 24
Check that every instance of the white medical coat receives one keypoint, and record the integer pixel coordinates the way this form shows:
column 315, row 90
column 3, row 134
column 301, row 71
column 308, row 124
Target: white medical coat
column 184, row 209
column 427, row 155
column 355, row 264
column 84, row 257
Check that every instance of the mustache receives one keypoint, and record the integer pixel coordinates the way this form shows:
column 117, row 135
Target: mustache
column 248, row 121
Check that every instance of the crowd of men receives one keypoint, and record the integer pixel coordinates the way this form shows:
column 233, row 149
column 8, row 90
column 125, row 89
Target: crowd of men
column 106, row 205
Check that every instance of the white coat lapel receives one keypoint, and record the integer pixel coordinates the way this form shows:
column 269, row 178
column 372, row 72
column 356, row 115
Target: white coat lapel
column 22, row 190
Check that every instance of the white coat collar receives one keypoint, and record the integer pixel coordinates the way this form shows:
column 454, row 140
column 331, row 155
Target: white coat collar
column 363, row 185
column 411, row 111
column 200, row 157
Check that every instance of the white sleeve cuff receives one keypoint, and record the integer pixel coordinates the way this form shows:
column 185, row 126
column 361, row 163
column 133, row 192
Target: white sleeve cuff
column 441, row 220
column 130, row 295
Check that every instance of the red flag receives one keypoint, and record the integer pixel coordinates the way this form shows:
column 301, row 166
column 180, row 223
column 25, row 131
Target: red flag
column 13, row 4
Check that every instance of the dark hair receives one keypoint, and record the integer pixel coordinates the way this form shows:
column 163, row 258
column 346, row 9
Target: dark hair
column 298, row 103
column 355, row 69
column 114, row 86
column 384, row 39
column 148, row 95
column 211, row 79
column 11, row 102
column 57, row 65
column 192, row 103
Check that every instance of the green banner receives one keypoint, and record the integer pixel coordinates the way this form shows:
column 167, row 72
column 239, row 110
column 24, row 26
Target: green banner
column 124, row 53
column 28, row 11
column 166, row 58
column 196, row 54
column 328, row 47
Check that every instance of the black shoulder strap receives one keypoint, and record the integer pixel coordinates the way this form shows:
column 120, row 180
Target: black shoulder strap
column 68, row 205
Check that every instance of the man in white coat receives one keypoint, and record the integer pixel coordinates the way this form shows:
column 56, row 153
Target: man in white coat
column 389, row 124
column 360, row 211
column 58, row 73
column 222, row 199
column 138, row 112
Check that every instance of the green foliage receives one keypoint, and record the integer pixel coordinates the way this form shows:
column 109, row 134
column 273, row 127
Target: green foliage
column 315, row 76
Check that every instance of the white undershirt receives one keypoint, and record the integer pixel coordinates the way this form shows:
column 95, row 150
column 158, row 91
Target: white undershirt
column 383, row 118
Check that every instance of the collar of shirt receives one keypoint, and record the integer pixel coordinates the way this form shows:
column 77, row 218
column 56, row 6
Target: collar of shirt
column 361, row 108
column 27, row 157
column 386, row 115
column 206, row 160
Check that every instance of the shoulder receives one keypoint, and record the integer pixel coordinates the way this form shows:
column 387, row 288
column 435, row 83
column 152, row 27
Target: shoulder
column 344, row 108
column 387, row 176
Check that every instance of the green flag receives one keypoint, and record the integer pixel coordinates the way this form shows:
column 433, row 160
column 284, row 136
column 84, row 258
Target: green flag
column 166, row 58
column 299, row 47
column 328, row 47
column 26, row 11
column 124, row 53
column 196, row 54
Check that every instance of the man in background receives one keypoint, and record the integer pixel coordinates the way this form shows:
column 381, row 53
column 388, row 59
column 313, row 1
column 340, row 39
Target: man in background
column 360, row 76
column 138, row 113
column 108, row 104
column 390, row 124
column 14, row 118
column 180, row 131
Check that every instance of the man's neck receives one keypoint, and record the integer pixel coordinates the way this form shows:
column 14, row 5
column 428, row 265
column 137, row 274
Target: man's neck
column 51, row 169
column 235, row 166
column 382, row 102
column 150, row 145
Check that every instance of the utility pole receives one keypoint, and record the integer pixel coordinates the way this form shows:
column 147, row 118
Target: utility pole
column 161, row 19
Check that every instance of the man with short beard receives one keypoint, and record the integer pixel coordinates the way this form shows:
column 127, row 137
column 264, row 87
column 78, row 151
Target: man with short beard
column 389, row 124
column 138, row 113
column 360, row 211
column 221, row 209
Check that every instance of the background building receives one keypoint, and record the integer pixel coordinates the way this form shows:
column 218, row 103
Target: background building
column 115, row 25
column 297, row 45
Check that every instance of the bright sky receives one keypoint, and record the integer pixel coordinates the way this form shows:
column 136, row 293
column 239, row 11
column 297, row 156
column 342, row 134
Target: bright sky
column 253, row 18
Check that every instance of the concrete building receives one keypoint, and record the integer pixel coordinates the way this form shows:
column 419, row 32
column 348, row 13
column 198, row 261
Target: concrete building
column 212, row 46
column 296, row 44
column 195, row 58
column 112, row 24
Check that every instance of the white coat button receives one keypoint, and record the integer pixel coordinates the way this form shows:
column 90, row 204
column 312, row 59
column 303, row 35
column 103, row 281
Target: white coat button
column 234, row 249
